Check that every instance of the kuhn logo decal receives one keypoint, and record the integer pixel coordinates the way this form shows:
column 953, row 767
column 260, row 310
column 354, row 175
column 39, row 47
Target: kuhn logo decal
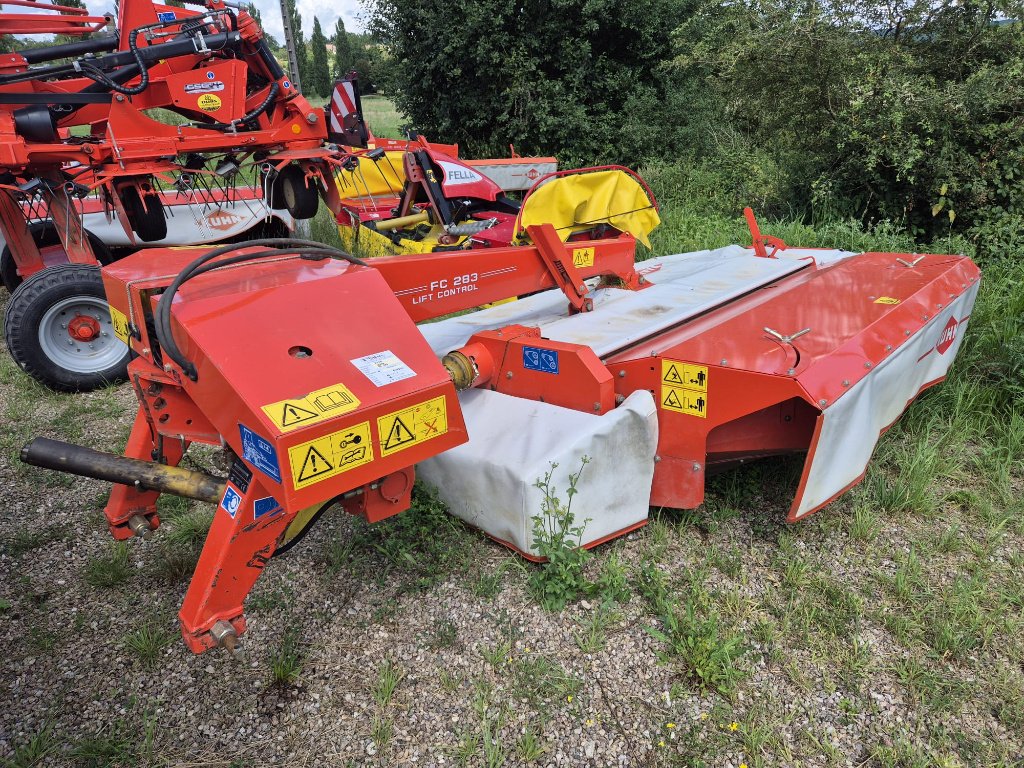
column 216, row 85
column 222, row 220
column 948, row 336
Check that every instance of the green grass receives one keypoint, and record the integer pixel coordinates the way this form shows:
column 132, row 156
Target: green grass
column 287, row 658
column 24, row 540
column 109, row 570
column 408, row 553
column 388, row 678
column 380, row 114
column 183, row 528
column 704, row 651
column 149, row 640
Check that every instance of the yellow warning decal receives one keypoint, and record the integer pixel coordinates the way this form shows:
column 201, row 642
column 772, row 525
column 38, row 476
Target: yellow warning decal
column 413, row 425
column 119, row 322
column 209, row 103
column 688, row 401
column 684, row 388
column 684, row 375
column 330, row 455
column 582, row 257
column 886, row 300
column 319, row 405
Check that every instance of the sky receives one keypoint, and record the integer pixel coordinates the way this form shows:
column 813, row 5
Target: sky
column 327, row 12
column 350, row 10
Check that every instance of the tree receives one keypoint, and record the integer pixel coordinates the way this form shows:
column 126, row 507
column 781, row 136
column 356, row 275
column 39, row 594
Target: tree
column 295, row 20
column 561, row 81
column 253, row 11
column 319, row 64
column 343, row 58
column 911, row 110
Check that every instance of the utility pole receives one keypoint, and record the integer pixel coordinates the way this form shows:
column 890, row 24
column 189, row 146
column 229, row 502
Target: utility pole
column 289, row 43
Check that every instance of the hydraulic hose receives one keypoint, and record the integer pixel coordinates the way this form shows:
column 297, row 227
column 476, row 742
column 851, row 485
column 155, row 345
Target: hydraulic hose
column 277, row 247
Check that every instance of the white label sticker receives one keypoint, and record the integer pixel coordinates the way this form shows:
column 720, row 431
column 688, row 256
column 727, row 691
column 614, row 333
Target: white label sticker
column 456, row 173
column 383, row 368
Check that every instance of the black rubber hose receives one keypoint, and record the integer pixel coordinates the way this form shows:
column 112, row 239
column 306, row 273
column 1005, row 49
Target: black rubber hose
column 95, row 74
column 279, row 246
column 259, row 110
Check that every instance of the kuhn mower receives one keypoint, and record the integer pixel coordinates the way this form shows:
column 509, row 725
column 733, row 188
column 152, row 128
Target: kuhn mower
column 422, row 198
column 660, row 372
column 86, row 163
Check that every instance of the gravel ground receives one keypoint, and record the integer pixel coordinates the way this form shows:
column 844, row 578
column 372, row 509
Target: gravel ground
column 868, row 637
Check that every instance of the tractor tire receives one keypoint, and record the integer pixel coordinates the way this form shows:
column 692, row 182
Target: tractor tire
column 58, row 330
column 46, row 237
column 290, row 191
column 149, row 223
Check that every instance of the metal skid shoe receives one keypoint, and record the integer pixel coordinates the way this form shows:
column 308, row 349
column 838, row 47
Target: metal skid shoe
column 313, row 409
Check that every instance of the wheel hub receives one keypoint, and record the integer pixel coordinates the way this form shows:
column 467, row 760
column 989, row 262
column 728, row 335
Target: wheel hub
column 84, row 328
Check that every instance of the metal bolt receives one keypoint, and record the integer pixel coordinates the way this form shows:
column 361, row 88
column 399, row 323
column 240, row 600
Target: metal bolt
column 823, row 401
column 696, row 467
column 311, row 118
column 140, row 526
column 657, row 459
column 791, row 371
column 888, row 347
column 597, row 406
column 620, row 399
column 724, row 362
column 867, row 365
column 225, row 635
column 508, row 375
column 906, row 333
column 846, row 382
column 622, row 374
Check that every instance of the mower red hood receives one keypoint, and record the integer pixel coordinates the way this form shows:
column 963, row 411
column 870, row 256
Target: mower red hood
column 460, row 180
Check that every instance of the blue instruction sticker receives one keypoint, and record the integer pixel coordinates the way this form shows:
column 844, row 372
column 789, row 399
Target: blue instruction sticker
column 166, row 16
column 231, row 501
column 543, row 360
column 259, row 453
column 264, row 506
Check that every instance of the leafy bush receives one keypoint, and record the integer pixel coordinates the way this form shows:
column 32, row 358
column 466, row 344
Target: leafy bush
column 556, row 537
column 559, row 79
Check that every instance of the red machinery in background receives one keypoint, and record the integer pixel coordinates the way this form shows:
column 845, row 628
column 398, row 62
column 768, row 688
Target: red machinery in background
column 78, row 129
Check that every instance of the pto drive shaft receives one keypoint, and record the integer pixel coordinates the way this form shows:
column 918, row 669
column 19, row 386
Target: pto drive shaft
column 143, row 475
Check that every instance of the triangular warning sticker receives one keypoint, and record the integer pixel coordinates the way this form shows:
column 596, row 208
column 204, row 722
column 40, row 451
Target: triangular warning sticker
column 672, row 400
column 399, row 435
column 294, row 414
column 672, row 376
column 314, row 464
